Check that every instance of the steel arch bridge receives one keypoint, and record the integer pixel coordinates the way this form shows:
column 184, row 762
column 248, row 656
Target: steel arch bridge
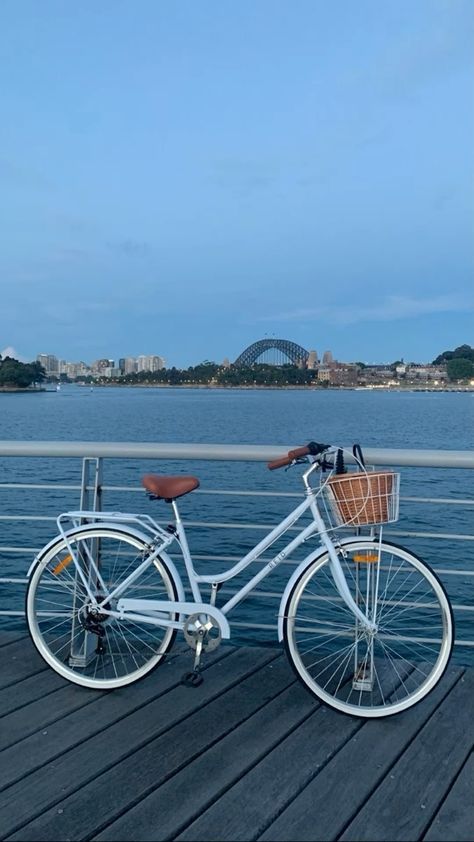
column 295, row 353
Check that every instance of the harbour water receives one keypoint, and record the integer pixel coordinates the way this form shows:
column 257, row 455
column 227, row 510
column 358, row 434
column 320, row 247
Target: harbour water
column 267, row 416
column 441, row 420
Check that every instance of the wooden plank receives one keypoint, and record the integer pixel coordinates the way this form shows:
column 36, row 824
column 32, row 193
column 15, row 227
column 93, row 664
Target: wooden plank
column 171, row 807
column 256, row 799
column 64, row 699
column 280, row 775
column 26, row 800
column 244, row 767
column 48, row 741
column 43, row 712
column 19, row 659
column 404, row 804
column 89, row 808
column 92, row 806
column 455, row 819
column 328, row 803
column 24, row 692
column 8, row 636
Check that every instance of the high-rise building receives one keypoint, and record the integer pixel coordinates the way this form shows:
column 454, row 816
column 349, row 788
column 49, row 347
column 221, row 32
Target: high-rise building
column 49, row 362
column 150, row 362
column 129, row 365
column 101, row 366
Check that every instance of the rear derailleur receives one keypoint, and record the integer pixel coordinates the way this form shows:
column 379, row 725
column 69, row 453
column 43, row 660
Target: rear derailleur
column 91, row 621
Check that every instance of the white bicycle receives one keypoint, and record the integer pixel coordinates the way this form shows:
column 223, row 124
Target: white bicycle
column 367, row 626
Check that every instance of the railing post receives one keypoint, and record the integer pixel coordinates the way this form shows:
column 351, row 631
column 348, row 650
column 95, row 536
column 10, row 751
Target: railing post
column 83, row 642
column 91, row 484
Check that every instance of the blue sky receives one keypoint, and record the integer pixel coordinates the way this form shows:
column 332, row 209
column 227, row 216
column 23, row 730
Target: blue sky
column 186, row 178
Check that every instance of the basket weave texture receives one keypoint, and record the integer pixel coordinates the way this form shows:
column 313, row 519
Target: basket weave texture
column 364, row 498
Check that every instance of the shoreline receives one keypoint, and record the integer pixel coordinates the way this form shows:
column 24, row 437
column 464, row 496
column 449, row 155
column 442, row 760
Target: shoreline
column 243, row 387
column 18, row 390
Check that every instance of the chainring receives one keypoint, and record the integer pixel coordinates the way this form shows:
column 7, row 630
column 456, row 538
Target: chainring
column 200, row 627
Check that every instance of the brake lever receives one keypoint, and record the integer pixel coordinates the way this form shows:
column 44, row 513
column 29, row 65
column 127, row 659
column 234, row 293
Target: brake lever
column 302, row 460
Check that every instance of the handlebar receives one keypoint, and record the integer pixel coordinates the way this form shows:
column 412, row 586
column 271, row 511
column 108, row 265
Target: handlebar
column 313, row 448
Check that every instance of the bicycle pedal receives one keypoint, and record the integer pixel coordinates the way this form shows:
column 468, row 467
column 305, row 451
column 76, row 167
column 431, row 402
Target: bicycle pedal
column 192, row 679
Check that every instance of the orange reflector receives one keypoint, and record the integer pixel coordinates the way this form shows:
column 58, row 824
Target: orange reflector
column 62, row 564
column 365, row 558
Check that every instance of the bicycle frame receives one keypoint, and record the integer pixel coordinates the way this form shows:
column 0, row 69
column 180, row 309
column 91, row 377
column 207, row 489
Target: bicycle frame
column 157, row 611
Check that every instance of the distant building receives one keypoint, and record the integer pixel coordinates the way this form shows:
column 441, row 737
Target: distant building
column 129, row 365
column 75, row 370
column 49, row 362
column 150, row 362
column 100, row 367
column 342, row 374
column 327, row 358
column 373, row 374
column 425, row 372
column 312, row 360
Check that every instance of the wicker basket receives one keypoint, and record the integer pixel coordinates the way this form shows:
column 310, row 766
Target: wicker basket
column 364, row 498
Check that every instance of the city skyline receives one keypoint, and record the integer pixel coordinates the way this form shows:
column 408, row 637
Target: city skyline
column 151, row 362
column 191, row 176
column 308, row 367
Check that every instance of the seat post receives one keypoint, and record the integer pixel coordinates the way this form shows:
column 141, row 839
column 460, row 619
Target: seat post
column 177, row 517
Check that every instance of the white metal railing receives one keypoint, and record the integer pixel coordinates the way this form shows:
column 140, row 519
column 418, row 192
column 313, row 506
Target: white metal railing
column 226, row 452
column 94, row 492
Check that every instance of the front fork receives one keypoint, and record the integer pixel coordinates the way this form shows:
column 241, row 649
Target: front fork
column 343, row 589
column 365, row 627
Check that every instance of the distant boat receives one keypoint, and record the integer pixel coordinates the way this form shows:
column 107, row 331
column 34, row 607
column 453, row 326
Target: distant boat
column 58, row 388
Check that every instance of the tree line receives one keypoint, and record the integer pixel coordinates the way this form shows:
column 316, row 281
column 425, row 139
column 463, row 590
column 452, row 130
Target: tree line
column 459, row 363
column 16, row 375
column 210, row 373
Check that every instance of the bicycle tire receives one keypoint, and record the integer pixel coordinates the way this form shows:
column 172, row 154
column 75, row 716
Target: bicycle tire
column 106, row 652
column 355, row 673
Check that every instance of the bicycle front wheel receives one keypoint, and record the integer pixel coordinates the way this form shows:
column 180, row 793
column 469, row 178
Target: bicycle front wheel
column 363, row 674
column 93, row 650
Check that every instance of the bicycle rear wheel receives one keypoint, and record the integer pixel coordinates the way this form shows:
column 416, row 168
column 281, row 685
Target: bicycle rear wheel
column 345, row 667
column 101, row 652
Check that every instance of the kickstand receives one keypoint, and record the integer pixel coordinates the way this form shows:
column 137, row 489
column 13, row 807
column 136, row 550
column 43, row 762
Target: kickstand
column 194, row 677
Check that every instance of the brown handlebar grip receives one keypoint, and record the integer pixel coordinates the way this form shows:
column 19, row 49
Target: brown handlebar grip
column 298, row 452
column 279, row 463
column 288, row 459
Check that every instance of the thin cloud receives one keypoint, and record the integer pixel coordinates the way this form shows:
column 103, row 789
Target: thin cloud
column 131, row 247
column 393, row 308
column 411, row 62
column 245, row 175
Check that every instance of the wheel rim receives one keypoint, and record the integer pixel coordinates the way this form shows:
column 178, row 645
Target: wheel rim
column 96, row 651
column 351, row 671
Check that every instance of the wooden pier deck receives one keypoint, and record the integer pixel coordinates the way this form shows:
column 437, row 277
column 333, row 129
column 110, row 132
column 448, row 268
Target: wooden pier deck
column 247, row 755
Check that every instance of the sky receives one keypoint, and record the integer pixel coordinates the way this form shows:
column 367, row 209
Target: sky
column 186, row 178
